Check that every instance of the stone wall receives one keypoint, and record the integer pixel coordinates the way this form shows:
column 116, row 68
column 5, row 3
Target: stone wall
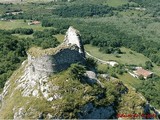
column 49, row 64
column 73, row 37
column 46, row 65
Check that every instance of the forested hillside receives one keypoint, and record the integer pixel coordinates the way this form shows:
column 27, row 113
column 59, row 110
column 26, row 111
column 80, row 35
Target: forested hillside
column 13, row 49
column 152, row 6
column 108, row 25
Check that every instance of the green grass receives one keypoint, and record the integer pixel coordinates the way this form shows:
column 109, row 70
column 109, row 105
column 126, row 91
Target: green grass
column 129, row 80
column 127, row 58
column 7, row 25
column 116, row 3
column 60, row 37
column 24, row 1
column 132, row 13
column 38, row 51
column 23, row 36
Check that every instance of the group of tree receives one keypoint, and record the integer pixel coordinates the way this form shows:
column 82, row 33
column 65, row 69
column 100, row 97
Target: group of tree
column 110, row 50
column 13, row 50
column 152, row 6
column 23, row 31
column 108, row 37
column 149, row 89
column 83, row 10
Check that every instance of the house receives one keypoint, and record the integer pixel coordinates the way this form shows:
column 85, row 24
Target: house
column 34, row 23
column 142, row 72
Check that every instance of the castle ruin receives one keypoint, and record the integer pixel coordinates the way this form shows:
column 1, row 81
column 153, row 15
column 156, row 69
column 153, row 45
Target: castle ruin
column 46, row 62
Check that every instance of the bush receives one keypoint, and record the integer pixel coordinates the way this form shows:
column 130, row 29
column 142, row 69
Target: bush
column 91, row 63
column 25, row 31
column 77, row 71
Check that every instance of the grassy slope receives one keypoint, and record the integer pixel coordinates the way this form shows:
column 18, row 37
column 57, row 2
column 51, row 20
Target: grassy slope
column 7, row 25
column 18, row 24
column 135, row 58
column 24, row 1
column 127, row 58
column 126, row 78
column 60, row 37
column 116, row 3
column 129, row 80
column 78, row 96
column 23, row 36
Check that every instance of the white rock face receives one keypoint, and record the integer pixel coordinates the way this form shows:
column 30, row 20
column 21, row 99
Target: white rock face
column 19, row 114
column 73, row 37
column 5, row 90
column 30, row 86
column 48, row 64
column 34, row 81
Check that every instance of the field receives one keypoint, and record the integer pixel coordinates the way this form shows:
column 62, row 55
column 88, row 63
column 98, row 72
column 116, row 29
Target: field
column 129, row 80
column 23, row 1
column 129, row 57
column 19, row 24
column 23, row 36
column 59, row 37
column 116, row 3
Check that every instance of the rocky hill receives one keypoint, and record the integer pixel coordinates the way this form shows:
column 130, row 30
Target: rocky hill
column 55, row 83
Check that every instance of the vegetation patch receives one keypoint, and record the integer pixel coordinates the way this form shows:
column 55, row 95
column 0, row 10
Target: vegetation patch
column 38, row 52
column 116, row 3
column 83, row 10
column 127, row 57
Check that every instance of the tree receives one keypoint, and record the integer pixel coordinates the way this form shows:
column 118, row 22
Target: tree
column 91, row 63
column 77, row 71
column 148, row 65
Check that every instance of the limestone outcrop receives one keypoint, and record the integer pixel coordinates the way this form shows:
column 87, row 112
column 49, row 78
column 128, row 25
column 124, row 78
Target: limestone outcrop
column 42, row 87
column 30, row 83
column 41, row 64
column 46, row 62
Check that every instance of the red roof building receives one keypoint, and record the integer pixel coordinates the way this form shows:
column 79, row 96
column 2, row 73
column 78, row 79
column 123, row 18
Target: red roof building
column 34, row 23
column 145, row 73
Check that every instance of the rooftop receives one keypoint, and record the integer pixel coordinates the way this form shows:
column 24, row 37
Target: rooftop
column 144, row 73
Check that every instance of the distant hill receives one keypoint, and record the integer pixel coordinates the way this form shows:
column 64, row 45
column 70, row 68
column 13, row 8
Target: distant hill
column 17, row 1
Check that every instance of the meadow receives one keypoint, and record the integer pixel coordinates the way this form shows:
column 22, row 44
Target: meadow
column 116, row 3
column 23, row 1
column 129, row 80
column 128, row 56
column 60, row 37
column 12, row 24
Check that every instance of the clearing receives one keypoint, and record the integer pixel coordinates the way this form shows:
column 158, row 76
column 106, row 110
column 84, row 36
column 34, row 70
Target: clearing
column 129, row 56
column 23, row 1
column 116, row 3
column 12, row 24
column 60, row 37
